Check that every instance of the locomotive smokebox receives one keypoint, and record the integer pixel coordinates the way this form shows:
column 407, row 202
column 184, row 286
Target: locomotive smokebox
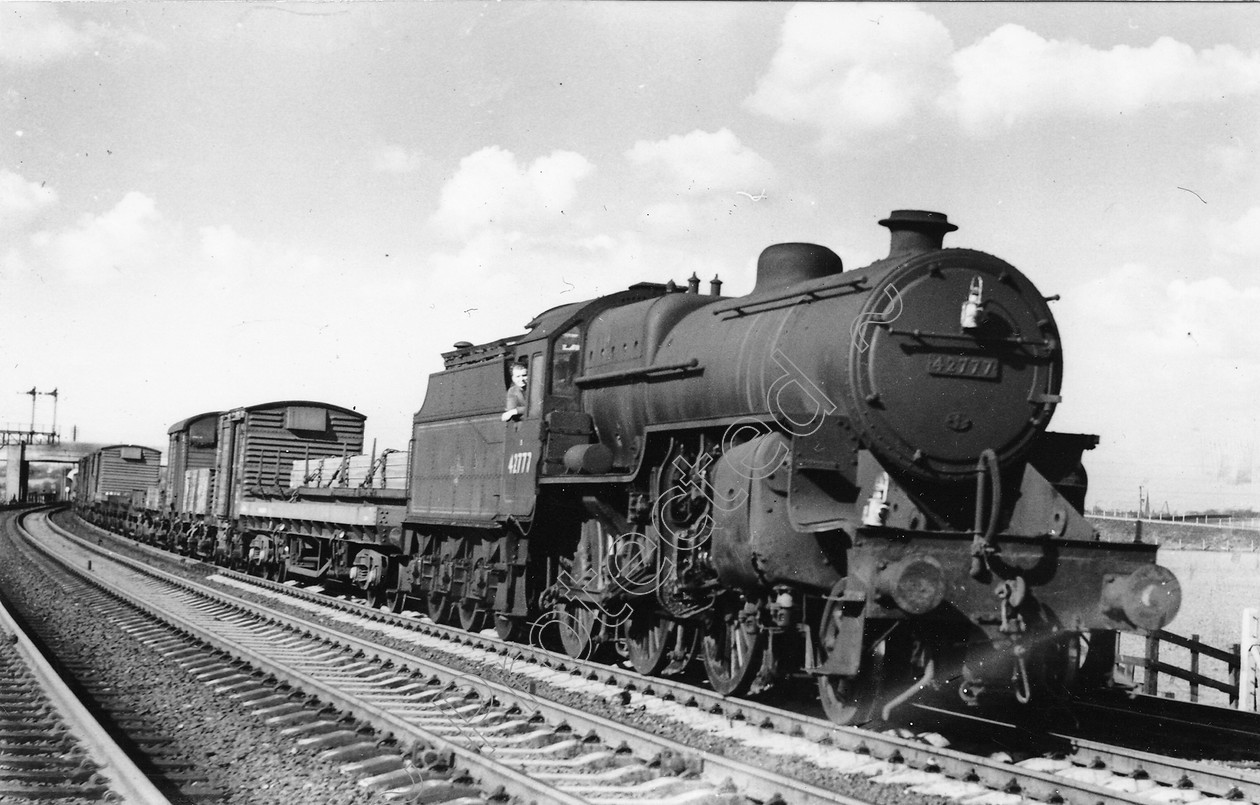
column 1147, row 598
column 916, row 231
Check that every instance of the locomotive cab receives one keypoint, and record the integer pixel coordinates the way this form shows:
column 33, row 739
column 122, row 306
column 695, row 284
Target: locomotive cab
column 522, row 443
column 554, row 436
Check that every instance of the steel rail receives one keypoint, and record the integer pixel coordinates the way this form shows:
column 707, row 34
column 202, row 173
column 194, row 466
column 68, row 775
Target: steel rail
column 514, row 783
column 757, row 783
column 1211, row 779
column 124, row 778
column 1219, row 781
column 993, row 774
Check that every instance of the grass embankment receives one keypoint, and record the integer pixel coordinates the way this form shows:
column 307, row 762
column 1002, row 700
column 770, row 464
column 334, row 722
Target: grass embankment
column 1180, row 536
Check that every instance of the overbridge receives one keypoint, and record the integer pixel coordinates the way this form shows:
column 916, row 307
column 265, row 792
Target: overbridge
column 20, row 456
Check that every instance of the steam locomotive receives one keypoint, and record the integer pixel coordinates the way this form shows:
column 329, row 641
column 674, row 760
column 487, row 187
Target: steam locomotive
column 843, row 476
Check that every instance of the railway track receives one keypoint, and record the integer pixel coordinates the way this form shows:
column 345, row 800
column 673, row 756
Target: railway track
column 1202, row 730
column 1085, row 772
column 512, row 742
column 52, row 746
column 1160, row 777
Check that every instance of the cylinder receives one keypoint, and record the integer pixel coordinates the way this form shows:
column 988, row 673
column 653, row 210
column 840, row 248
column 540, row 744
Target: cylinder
column 754, row 546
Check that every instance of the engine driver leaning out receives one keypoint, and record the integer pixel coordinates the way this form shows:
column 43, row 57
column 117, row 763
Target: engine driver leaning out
column 514, row 405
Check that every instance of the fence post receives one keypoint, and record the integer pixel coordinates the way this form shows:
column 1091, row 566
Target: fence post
column 1248, row 649
column 1237, row 699
column 1150, row 684
column 1194, row 668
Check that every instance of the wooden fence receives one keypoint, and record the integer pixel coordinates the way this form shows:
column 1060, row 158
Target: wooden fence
column 1154, row 667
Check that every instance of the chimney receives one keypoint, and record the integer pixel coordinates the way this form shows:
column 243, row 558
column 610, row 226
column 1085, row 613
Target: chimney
column 715, row 286
column 693, row 283
column 916, row 231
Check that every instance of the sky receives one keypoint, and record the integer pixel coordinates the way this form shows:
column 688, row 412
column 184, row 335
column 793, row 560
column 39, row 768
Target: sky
column 209, row 205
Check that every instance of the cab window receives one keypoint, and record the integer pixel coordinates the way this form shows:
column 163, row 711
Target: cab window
column 535, row 388
column 566, row 359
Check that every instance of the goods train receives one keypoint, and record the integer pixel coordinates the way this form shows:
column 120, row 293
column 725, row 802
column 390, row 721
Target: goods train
column 844, row 476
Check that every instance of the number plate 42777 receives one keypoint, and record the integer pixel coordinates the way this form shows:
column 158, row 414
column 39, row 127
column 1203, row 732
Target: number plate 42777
column 963, row 366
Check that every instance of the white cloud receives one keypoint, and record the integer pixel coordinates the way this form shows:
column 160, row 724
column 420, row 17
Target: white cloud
column 675, row 217
column 1233, row 159
column 850, row 69
column 1165, row 324
column 1146, row 359
column 1014, row 74
column 695, row 179
column 34, row 34
column 14, row 265
column 130, row 238
column 524, row 243
column 396, row 159
column 853, row 68
column 1237, row 239
column 222, row 258
column 134, row 246
column 21, row 201
column 491, row 189
column 222, row 244
column 154, row 310
column 496, row 281
column 704, row 162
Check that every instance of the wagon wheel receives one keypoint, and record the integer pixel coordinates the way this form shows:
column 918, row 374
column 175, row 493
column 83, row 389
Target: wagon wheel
column 438, row 606
column 733, row 646
column 397, row 596
column 658, row 645
column 397, row 599
column 376, row 596
column 446, row 576
column 472, row 616
column 508, row 628
column 472, row 606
